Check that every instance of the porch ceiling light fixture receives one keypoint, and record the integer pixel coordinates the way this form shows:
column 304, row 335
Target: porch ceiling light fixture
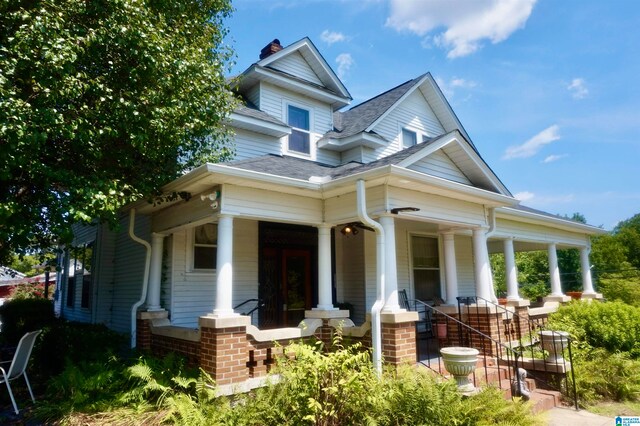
column 404, row 209
column 349, row 229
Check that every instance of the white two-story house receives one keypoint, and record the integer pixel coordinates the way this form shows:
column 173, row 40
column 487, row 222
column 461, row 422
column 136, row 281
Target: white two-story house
column 297, row 219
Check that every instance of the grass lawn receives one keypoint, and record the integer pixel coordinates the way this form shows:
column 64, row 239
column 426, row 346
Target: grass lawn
column 612, row 409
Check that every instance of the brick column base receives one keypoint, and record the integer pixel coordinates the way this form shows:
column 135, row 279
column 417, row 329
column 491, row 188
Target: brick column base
column 143, row 327
column 325, row 332
column 489, row 321
column 224, row 348
column 399, row 337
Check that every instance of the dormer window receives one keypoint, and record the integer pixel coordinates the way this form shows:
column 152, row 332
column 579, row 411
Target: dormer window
column 299, row 139
column 409, row 138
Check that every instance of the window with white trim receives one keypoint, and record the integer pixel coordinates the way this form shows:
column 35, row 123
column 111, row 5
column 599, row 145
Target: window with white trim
column 426, row 267
column 300, row 137
column 205, row 246
column 409, row 138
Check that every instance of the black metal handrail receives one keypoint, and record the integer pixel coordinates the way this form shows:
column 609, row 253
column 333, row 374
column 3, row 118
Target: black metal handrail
column 488, row 344
column 533, row 344
column 259, row 303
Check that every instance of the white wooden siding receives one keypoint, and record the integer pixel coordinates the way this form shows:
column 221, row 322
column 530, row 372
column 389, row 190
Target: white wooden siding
column 250, row 145
column 296, row 65
column 273, row 101
column 270, row 205
column 414, row 113
column 350, row 286
column 193, row 294
column 182, row 213
column 464, row 265
column 253, row 95
column 437, row 207
column 370, row 269
column 354, row 154
column 343, row 208
column 439, row 164
column 129, row 262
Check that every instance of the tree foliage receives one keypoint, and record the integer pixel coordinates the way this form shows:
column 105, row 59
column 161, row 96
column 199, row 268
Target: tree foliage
column 101, row 103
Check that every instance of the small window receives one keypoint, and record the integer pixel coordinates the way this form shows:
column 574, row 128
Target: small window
column 205, row 246
column 299, row 139
column 426, row 268
column 409, row 138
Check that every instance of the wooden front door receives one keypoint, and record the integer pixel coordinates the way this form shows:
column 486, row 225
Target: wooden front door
column 296, row 285
column 287, row 273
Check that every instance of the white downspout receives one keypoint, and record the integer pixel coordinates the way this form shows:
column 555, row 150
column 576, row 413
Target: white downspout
column 145, row 280
column 376, row 332
column 492, row 222
column 492, row 229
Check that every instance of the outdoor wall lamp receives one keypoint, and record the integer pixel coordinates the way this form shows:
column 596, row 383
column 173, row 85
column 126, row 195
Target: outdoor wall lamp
column 404, row 209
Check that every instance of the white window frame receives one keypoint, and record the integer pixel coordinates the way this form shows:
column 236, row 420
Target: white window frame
column 438, row 237
column 190, row 256
column 286, row 103
column 420, row 135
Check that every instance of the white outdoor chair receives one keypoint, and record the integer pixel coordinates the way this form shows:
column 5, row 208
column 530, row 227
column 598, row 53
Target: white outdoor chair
column 18, row 365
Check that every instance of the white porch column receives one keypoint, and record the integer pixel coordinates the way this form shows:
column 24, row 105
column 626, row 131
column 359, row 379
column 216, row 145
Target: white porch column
column 585, row 266
column 224, row 267
column 450, row 267
column 155, row 273
column 482, row 267
column 391, row 270
column 554, row 271
column 511, row 271
column 325, row 301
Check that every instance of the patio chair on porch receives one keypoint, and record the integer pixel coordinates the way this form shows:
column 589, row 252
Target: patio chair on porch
column 424, row 325
column 18, row 366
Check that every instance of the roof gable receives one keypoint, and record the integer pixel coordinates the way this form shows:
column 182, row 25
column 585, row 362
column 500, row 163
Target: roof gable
column 292, row 60
column 453, row 155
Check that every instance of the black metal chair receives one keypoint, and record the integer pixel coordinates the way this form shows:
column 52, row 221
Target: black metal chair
column 424, row 325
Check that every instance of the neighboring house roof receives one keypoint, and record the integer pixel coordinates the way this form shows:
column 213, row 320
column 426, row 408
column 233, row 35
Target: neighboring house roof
column 8, row 274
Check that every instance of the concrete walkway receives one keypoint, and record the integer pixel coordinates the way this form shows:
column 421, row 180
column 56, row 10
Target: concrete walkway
column 568, row 417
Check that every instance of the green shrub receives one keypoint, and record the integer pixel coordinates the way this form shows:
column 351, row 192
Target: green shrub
column 31, row 291
column 534, row 291
column 613, row 326
column 23, row 315
column 621, row 288
column 63, row 343
column 601, row 375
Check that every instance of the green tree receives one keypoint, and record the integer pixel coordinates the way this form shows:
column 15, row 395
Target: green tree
column 628, row 233
column 101, row 103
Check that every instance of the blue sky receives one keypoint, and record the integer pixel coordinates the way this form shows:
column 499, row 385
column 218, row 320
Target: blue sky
column 548, row 90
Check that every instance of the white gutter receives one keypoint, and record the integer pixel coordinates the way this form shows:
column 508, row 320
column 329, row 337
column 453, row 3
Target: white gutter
column 376, row 332
column 145, row 280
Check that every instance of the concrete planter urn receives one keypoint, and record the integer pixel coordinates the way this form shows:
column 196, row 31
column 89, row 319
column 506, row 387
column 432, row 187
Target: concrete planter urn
column 460, row 362
column 554, row 343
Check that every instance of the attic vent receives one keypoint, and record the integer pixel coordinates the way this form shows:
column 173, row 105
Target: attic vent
column 270, row 48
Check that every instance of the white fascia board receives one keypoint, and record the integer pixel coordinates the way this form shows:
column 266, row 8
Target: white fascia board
column 540, row 219
column 398, row 102
column 306, row 47
column 431, row 184
column 486, row 170
column 309, row 90
column 431, row 147
column 436, row 89
column 360, row 139
column 259, row 126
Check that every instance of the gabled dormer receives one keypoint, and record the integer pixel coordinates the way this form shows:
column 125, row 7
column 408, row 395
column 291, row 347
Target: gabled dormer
column 406, row 115
column 295, row 86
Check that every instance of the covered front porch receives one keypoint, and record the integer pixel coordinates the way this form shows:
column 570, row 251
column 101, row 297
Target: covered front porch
column 300, row 256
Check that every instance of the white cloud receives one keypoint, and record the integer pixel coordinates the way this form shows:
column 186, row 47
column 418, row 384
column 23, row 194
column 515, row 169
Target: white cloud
column 554, row 157
column 533, row 145
column 331, row 37
column 578, row 88
column 466, row 25
column 344, row 61
column 524, row 195
column 449, row 87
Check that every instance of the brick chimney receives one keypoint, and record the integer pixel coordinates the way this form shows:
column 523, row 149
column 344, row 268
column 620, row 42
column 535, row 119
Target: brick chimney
column 270, row 49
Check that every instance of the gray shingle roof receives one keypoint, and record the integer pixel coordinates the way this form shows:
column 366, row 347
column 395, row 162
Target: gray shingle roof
column 250, row 110
column 297, row 168
column 360, row 117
